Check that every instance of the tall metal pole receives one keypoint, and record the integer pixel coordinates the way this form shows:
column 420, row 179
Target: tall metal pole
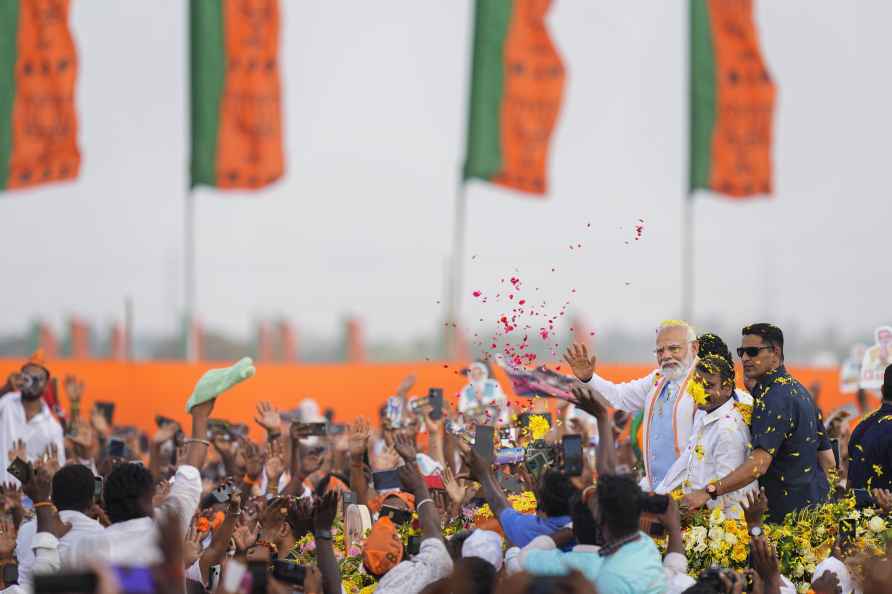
column 189, row 280
column 456, row 269
column 687, row 214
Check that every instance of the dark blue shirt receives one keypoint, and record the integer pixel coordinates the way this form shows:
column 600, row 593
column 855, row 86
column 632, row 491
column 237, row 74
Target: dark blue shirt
column 870, row 451
column 787, row 424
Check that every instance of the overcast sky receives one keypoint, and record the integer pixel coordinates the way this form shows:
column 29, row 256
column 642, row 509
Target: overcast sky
column 375, row 96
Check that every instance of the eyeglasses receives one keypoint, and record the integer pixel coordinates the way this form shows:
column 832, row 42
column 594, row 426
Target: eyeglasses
column 750, row 351
column 672, row 349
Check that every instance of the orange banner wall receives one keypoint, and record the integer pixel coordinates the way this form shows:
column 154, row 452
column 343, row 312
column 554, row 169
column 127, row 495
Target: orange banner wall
column 143, row 390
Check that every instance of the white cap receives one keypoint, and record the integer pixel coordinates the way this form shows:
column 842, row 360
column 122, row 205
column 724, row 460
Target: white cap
column 486, row 545
column 836, row 566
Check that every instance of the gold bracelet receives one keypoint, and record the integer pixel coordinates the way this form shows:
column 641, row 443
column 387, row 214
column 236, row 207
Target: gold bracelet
column 44, row 504
column 196, row 440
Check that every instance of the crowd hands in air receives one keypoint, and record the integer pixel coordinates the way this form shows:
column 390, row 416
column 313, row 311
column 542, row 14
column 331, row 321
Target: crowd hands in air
column 621, row 488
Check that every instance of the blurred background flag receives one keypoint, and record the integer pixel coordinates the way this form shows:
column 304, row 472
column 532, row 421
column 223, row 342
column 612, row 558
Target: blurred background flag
column 517, row 83
column 38, row 71
column 236, row 93
column 732, row 101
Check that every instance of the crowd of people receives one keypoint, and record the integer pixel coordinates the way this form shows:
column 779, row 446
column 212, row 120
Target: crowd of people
column 679, row 481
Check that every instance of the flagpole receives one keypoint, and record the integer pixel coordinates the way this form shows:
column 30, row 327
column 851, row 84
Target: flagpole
column 687, row 214
column 189, row 281
column 456, row 268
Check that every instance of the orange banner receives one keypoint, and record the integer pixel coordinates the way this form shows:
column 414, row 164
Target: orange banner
column 534, row 87
column 249, row 151
column 44, row 129
column 143, row 390
column 741, row 142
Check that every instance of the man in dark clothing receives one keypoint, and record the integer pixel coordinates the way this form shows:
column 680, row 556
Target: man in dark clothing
column 791, row 452
column 870, row 448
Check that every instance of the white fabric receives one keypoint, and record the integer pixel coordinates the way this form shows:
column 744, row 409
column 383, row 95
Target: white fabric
column 427, row 465
column 129, row 544
column 38, row 433
column 640, row 394
column 675, row 565
column 81, row 527
column 834, row 565
column 432, row 563
column 486, row 545
column 719, row 443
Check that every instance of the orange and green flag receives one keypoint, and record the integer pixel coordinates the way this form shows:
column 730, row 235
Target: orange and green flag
column 235, row 93
column 38, row 72
column 517, row 83
column 732, row 101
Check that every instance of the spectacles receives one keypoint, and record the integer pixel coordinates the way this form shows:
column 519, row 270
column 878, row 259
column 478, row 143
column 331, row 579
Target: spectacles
column 672, row 349
column 750, row 351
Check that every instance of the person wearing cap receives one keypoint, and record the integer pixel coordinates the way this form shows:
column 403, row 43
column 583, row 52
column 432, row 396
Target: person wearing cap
column 870, row 448
column 383, row 552
column 25, row 417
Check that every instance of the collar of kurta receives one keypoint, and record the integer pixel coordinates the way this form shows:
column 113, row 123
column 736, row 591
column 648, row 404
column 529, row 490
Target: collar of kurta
column 715, row 415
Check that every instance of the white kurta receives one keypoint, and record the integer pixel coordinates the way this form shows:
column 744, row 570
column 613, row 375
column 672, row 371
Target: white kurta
column 38, row 433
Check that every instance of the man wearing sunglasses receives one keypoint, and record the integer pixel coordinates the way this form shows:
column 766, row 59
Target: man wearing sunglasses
column 790, row 450
column 668, row 409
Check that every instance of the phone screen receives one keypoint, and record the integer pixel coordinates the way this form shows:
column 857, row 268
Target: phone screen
column 115, row 448
column 135, row 580
column 386, row 479
column 483, row 442
column 436, row 399
column 572, row 446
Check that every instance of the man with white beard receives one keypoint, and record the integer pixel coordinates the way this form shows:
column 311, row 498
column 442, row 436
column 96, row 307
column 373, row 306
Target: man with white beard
column 662, row 395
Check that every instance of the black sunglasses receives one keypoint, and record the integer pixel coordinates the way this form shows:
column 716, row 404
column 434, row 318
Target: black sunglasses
column 750, row 351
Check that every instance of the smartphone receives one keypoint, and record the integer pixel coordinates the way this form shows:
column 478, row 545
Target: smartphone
column 10, row 574
column 572, row 450
column 483, row 442
column 22, row 470
column 337, row 429
column 115, row 448
column 65, row 583
column 161, row 421
column 413, row 546
column 386, row 479
column 435, row 396
column 135, row 580
column 259, row 572
column 107, row 409
column 289, row 572
column 308, row 429
column 393, row 411
column 524, row 418
column 834, row 445
column 223, row 493
column 97, row 488
column 397, row 516
column 510, row 483
column 510, row 456
column 218, row 426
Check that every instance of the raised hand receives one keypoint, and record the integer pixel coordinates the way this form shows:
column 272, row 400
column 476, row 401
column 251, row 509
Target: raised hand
column 82, row 434
column 313, row 580
column 590, row 401
column 755, row 506
column 15, row 381
column 404, row 447
column 275, row 467
column 165, row 433
column 406, row 385
column 268, row 417
column 764, row 559
column 74, row 388
column 19, row 450
column 454, row 489
column 192, row 546
column 581, row 363
column 326, row 509
column 50, row 459
column 827, row 583
column 253, row 461
column 883, row 498
column 7, row 538
column 245, row 536
column 412, row 479
column 359, row 437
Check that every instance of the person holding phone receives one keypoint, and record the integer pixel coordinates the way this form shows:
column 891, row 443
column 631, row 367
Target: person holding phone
column 25, row 419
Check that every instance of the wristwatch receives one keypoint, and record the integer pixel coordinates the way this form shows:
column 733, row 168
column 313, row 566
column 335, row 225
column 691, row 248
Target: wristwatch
column 712, row 490
column 756, row 531
column 322, row 534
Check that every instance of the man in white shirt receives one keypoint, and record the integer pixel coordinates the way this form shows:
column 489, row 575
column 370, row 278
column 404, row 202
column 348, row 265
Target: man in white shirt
column 482, row 399
column 25, row 417
column 720, row 437
column 74, row 490
column 662, row 395
column 132, row 539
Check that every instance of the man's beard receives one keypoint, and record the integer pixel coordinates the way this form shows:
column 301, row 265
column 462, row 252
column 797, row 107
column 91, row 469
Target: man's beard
column 675, row 370
column 30, row 396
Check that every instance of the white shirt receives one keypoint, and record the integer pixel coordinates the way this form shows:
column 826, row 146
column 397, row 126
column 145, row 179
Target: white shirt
column 131, row 543
column 38, row 433
column 81, row 526
column 411, row 577
column 719, row 443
